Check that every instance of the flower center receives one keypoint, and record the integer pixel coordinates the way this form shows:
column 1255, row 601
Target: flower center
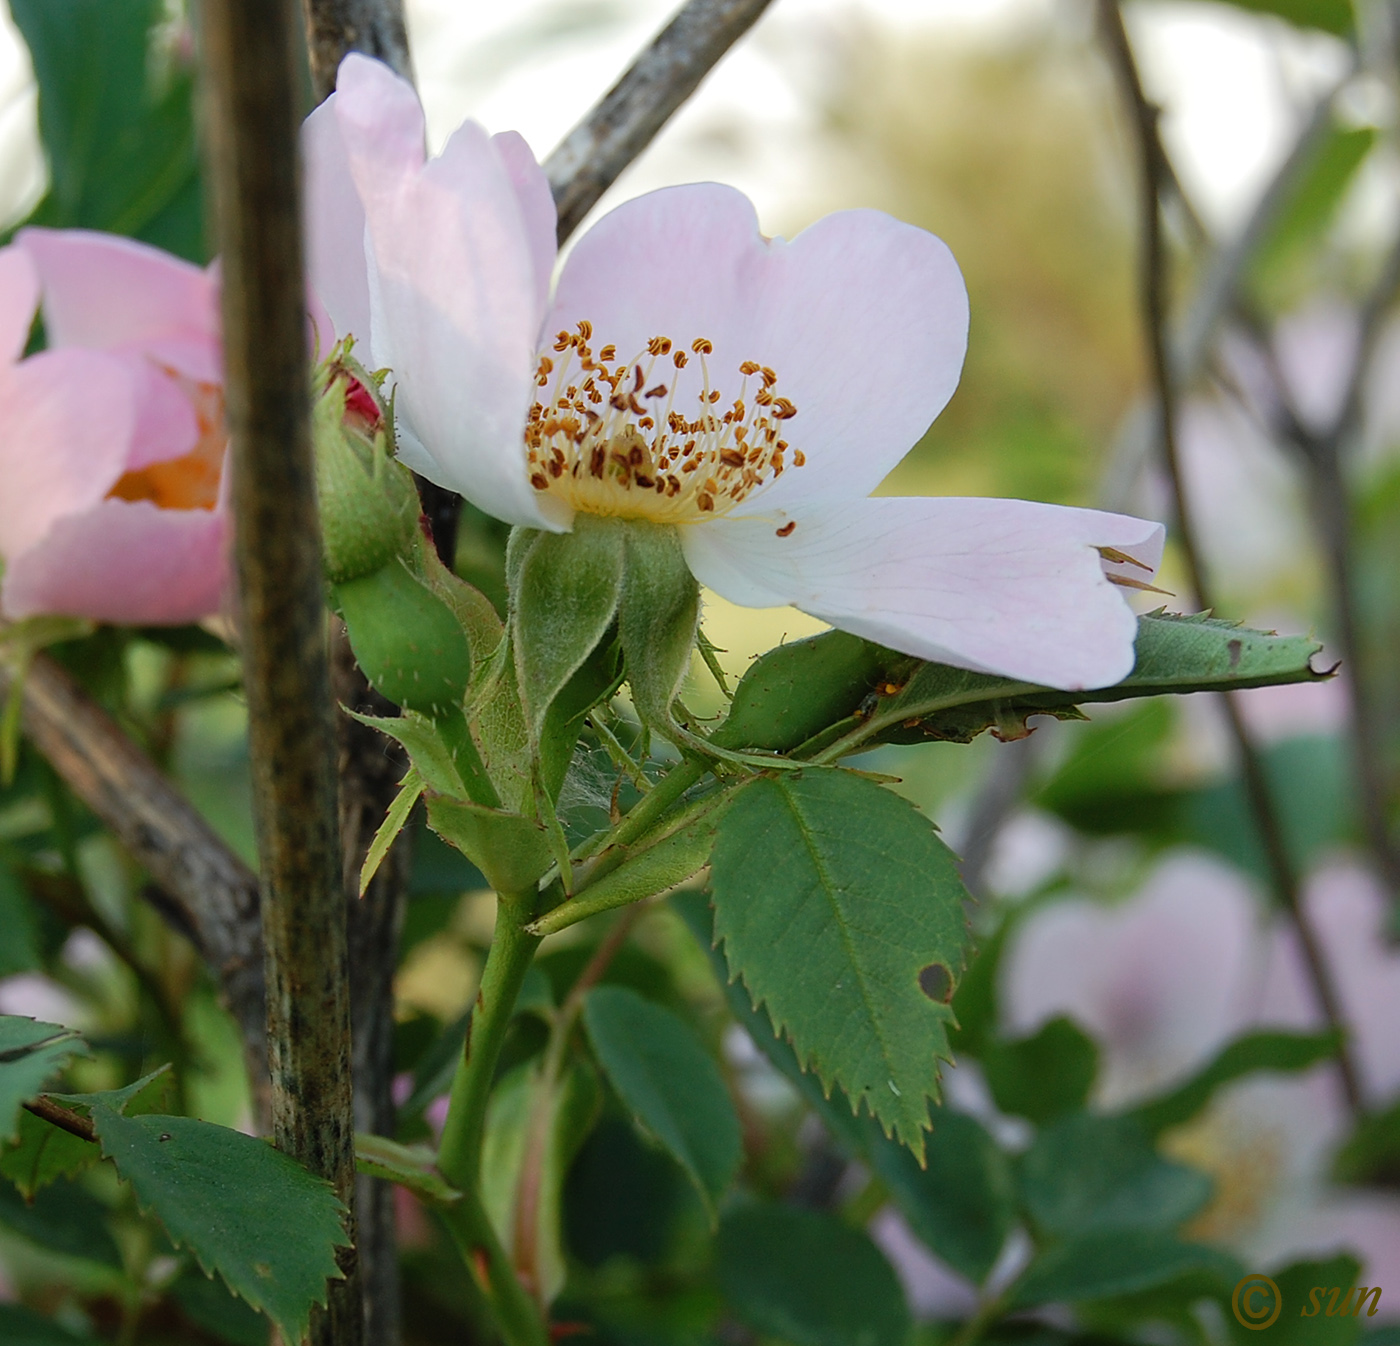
column 621, row 438
column 190, row 481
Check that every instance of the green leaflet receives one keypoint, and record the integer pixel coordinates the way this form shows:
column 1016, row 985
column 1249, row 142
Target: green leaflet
column 411, row 1166
column 1044, row 1075
column 44, row 1153
column 1121, row 1262
column 669, row 1084
column 808, row 1279
column 834, row 897
column 1086, row 1174
column 1266, row 1050
column 31, row 1054
column 219, row 1193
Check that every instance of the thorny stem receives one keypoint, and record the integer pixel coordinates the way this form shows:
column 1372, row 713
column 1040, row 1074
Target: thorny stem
column 1154, row 168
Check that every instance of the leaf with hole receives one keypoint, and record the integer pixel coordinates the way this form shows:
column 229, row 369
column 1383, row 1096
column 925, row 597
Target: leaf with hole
column 218, row 1193
column 834, row 899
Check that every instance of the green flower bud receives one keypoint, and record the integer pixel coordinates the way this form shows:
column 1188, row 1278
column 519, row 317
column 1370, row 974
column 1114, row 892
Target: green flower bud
column 369, row 507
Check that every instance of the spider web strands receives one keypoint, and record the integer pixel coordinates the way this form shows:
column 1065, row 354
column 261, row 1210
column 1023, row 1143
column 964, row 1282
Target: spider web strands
column 1154, row 176
column 250, row 69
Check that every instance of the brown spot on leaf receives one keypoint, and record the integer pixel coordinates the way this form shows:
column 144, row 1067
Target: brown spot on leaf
column 1236, row 648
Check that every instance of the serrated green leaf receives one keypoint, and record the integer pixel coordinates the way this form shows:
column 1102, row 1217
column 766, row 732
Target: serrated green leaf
column 1267, row 1050
column 43, row 1153
column 118, row 134
column 808, row 1279
column 1086, row 1174
column 218, row 1193
column 962, row 1204
column 1100, row 1265
column 834, row 897
column 1044, row 1075
column 669, row 1084
column 31, row 1054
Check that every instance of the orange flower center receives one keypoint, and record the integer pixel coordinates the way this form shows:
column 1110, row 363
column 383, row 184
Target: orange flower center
column 190, row 481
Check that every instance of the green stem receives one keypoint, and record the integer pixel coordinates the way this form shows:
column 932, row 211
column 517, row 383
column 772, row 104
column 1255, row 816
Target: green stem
column 459, row 1154
column 516, row 1314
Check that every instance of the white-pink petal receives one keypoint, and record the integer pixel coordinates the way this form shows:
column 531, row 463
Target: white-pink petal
column 336, row 263
column 127, row 562
column 454, row 299
column 536, row 207
column 108, row 293
column 19, row 300
column 862, row 317
column 998, row 586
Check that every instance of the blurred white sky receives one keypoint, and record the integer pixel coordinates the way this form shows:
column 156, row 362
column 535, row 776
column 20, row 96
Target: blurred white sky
column 1232, row 85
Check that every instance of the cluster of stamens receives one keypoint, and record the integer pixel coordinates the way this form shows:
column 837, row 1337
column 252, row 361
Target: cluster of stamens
column 608, row 437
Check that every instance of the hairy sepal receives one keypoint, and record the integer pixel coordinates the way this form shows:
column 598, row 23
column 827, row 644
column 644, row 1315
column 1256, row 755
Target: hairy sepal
column 657, row 620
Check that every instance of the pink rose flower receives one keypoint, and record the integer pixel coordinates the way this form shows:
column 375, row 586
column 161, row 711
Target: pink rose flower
column 113, row 451
column 752, row 392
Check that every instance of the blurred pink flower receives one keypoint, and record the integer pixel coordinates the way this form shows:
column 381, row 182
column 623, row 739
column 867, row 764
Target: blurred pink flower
column 113, row 448
column 1164, row 980
column 689, row 371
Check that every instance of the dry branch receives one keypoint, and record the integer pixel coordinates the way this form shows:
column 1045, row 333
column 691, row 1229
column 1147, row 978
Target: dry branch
column 592, row 156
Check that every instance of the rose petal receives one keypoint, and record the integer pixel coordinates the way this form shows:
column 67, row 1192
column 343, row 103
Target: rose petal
column 536, row 207
column 998, row 586
column 66, row 428
column 124, row 562
column 166, row 423
column 863, row 318
column 19, row 298
column 453, row 294
column 110, row 293
column 336, row 262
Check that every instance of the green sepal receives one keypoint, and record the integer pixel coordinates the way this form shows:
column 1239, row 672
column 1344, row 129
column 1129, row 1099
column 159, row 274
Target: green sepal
column 512, row 851
column 564, row 595
column 657, row 619
column 368, row 504
column 407, row 640
column 395, row 820
column 596, row 680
